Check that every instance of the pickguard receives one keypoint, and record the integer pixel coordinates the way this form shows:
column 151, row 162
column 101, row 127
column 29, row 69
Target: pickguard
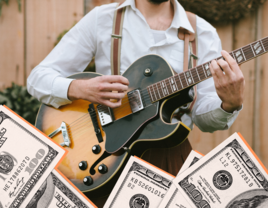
column 121, row 131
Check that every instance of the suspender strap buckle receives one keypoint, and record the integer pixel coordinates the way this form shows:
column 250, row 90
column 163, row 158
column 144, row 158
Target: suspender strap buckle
column 116, row 36
column 193, row 55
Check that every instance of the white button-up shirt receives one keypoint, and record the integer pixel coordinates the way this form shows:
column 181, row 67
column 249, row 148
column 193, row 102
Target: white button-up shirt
column 91, row 36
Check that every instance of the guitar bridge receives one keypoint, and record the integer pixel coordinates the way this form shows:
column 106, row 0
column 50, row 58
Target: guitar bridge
column 135, row 100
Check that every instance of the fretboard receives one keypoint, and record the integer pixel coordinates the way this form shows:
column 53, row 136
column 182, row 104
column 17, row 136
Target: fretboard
column 178, row 82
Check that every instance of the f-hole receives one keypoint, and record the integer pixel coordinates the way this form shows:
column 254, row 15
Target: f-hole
column 104, row 155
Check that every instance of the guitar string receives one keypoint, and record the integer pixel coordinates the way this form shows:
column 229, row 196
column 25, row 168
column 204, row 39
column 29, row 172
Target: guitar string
column 89, row 120
column 178, row 77
column 246, row 52
column 195, row 76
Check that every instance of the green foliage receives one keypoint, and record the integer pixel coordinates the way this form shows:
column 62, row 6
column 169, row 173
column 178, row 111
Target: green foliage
column 19, row 100
column 2, row 2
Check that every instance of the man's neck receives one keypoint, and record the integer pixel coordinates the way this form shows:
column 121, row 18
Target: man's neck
column 158, row 16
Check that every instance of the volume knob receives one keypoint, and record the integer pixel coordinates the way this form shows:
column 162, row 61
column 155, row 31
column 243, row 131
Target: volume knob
column 96, row 149
column 88, row 181
column 82, row 165
column 103, row 169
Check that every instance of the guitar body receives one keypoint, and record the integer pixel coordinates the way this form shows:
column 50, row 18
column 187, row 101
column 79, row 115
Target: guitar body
column 129, row 134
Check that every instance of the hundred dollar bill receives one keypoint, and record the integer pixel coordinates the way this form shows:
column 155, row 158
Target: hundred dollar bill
column 173, row 197
column 140, row 185
column 27, row 157
column 230, row 176
column 59, row 192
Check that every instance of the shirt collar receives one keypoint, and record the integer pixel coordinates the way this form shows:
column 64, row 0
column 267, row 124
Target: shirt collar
column 128, row 3
column 180, row 18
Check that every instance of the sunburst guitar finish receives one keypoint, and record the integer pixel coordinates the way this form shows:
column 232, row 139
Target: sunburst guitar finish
column 130, row 133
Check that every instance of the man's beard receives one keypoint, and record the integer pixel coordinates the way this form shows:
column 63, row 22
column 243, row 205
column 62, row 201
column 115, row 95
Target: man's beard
column 157, row 1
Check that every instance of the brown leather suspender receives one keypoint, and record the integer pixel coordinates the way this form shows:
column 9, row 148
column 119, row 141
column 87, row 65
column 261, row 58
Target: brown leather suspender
column 187, row 36
column 116, row 40
column 183, row 34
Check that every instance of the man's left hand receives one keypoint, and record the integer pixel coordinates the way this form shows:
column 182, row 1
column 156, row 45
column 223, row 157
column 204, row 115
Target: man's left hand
column 229, row 82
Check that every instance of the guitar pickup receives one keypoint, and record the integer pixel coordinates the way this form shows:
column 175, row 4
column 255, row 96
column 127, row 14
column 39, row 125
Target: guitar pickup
column 105, row 115
column 135, row 100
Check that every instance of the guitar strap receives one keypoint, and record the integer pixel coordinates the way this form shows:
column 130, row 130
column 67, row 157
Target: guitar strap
column 190, row 41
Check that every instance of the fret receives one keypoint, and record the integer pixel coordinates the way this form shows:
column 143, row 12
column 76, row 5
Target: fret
column 173, row 84
column 208, row 73
column 167, row 87
column 204, row 70
column 182, row 76
column 164, row 88
column 239, row 56
column 150, row 93
column 185, row 79
column 189, row 78
column 194, row 75
column 232, row 54
column 262, row 45
column 160, row 83
column 265, row 43
column 180, row 80
column 197, row 73
column 234, row 57
column 154, row 93
column 161, row 90
column 201, row 73
column 177, row 82
column 258, row 48
column 248, row 52
column 158, row 91
column 252, row 50
column 243, row 54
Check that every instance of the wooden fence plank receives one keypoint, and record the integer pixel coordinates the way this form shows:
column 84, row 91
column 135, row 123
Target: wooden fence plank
column 264, row 92
column 258, row 83
column 45, row 21
column 11, row 45
column 244, row 33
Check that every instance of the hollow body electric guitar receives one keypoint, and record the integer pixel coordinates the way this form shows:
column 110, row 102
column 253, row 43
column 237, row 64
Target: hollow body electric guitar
column 100, row 139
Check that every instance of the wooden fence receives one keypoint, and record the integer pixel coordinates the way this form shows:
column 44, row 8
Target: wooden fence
column 27, row 37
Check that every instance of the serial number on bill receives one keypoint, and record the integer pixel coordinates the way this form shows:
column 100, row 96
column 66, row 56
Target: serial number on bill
column 137, row 183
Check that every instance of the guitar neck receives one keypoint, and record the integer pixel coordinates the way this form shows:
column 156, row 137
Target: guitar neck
column 193, row 76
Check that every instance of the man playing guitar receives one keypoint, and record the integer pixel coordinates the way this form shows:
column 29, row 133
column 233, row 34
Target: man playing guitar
column 149, row 27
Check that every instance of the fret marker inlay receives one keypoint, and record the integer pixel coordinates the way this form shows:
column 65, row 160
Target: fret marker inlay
column 207, row 69
column 239, row 56
column 257, row 48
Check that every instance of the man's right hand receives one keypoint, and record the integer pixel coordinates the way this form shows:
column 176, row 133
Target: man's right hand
column 100, row 90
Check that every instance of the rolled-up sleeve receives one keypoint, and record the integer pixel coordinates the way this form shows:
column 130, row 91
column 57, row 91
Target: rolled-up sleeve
column 207, row 113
